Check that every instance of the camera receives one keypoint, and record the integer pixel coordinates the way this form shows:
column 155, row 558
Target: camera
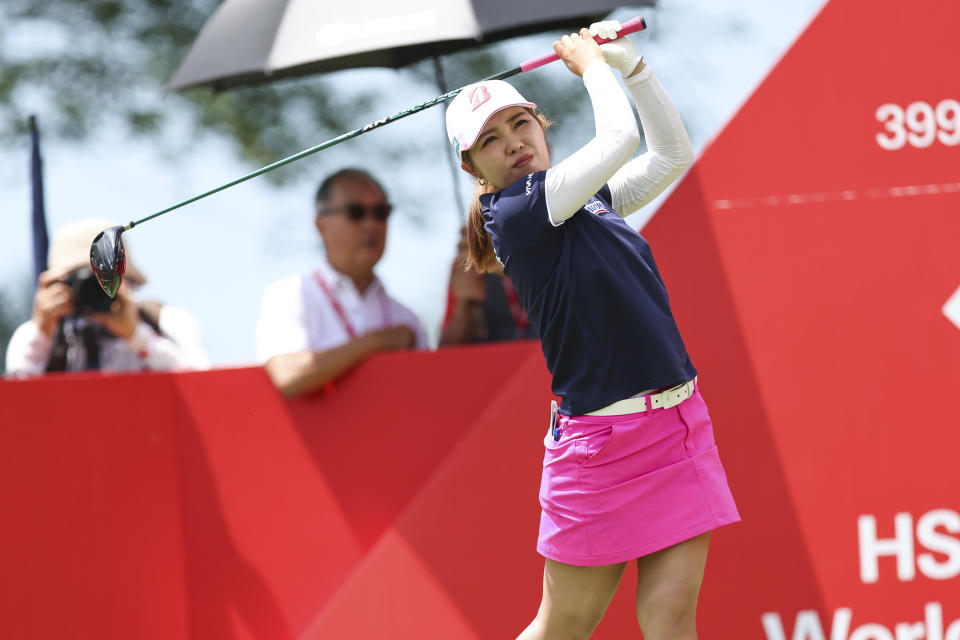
column 88, row 295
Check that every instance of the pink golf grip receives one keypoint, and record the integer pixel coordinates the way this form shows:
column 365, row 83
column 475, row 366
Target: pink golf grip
column 630, row 26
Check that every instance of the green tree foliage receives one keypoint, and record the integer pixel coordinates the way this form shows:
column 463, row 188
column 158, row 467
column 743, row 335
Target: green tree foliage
column 83, row 65
column 86, row 64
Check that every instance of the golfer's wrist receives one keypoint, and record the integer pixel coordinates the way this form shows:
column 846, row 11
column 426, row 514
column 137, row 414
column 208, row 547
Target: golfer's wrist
column 641, row 65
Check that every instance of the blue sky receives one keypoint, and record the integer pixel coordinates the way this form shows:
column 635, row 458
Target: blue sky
column 709, row 55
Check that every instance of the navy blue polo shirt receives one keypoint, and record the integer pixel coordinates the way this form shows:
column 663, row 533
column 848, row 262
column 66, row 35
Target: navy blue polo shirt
column 592, row 289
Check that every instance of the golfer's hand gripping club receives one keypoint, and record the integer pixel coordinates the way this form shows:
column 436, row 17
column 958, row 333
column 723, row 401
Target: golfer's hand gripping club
column 618, row 50
column 107, row 255
column 628, row 27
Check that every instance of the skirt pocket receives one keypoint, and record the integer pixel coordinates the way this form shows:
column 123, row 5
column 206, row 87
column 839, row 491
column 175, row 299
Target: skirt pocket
column 590, row 449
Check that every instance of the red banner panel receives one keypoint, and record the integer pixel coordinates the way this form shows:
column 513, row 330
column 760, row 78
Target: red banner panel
column 811, row 254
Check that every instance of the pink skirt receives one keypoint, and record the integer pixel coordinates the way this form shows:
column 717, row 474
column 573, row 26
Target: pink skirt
column 616, row 488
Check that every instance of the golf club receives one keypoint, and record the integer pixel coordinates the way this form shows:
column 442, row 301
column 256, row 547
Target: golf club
column 107, row 256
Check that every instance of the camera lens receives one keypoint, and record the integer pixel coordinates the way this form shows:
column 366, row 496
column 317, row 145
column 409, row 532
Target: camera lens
column 87, row 294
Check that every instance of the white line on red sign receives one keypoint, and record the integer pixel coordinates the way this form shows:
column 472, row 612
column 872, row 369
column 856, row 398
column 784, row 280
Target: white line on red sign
column 829, row 196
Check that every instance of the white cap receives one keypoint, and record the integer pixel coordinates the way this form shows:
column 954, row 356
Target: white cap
column 70, row 248
column 467, row 115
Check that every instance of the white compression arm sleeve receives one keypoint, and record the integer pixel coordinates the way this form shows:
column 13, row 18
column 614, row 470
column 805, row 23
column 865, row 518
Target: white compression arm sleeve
column 668, row 153
column 571, row 183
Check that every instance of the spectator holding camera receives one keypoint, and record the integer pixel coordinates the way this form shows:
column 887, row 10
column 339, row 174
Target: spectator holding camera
column 75, row 326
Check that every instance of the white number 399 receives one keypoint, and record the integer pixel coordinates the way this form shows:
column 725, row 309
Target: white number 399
column 919, row 125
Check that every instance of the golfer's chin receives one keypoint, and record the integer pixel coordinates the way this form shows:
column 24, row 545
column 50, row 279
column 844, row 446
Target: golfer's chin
column 516, row 173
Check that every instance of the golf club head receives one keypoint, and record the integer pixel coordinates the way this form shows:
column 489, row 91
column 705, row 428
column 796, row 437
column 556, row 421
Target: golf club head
column 108, row 259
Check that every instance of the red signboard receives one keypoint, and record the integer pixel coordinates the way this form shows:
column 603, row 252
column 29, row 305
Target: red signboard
column 810, row 253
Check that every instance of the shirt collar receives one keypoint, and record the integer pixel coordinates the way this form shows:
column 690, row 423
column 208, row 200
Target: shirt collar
column 342, row 282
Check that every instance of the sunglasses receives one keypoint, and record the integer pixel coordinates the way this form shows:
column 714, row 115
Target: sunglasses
column 357, row 212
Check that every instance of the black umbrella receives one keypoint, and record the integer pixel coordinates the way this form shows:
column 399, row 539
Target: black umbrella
column 255, row 41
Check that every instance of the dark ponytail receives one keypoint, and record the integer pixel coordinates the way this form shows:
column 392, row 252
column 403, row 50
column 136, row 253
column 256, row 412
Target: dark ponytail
column 480, row 257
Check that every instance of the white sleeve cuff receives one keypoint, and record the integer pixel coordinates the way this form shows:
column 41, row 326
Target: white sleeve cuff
column 639, row 78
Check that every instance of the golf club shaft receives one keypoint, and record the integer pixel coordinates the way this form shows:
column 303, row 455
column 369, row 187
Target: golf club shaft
column 631, row 26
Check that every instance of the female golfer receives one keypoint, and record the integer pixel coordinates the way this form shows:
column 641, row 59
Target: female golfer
column 631, row 468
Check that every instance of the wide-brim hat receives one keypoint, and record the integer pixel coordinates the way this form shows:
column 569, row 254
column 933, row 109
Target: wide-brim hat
column 70, row 248
column 469, row 112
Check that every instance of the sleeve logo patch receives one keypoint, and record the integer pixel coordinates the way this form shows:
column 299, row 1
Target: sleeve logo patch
column 596, row 207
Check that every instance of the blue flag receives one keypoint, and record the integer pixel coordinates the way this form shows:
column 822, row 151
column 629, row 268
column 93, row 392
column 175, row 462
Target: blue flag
column 39, row 219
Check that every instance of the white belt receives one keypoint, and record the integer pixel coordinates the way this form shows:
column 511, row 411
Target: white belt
column 663, row 400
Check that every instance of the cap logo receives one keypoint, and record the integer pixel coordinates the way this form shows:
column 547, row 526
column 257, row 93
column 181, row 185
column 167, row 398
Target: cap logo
column 478, row 96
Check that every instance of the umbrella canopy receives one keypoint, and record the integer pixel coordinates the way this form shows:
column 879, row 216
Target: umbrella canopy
column 253, row 41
